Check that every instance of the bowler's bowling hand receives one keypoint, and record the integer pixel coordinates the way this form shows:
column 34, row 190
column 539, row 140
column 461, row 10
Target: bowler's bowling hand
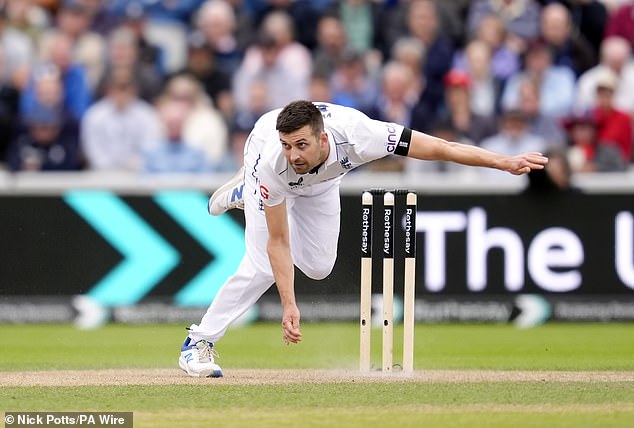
column 290, row 324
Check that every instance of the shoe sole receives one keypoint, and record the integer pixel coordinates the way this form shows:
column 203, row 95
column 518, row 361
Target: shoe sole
column 229, row 184
column 205, row 373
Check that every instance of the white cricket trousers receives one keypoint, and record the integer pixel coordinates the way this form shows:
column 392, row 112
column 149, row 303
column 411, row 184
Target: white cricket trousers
column 314, row 232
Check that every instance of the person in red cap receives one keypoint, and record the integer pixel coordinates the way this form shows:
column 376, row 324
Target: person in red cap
column 582, row 141
column 470, row 125
column 614, row 127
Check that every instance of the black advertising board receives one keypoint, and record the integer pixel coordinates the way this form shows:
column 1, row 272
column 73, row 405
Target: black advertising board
column 129, row 250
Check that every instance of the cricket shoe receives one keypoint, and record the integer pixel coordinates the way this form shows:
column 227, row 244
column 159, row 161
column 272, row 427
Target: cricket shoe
column 197, row 359
column 228, row 196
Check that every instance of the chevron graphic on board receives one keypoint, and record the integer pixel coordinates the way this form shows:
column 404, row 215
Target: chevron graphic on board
column 220, row 236
column 147, row 256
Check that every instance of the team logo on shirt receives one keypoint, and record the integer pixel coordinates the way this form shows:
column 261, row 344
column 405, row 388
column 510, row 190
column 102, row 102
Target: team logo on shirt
column 295, row 184
column 345, row 163
column 323, row 108
column 392, row 138
column 264, row 192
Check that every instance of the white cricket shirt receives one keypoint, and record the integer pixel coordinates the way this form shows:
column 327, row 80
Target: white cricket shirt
column 354, row 140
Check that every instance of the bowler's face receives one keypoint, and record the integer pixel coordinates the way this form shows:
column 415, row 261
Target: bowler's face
column 303, row 150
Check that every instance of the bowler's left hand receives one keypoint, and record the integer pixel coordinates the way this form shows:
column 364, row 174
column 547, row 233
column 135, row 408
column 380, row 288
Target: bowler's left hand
column 524, row 163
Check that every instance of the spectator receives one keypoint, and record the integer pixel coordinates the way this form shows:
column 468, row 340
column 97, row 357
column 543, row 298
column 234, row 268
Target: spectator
column 485, row 87
column 613, row 126
column 28, row 17
column 585, row 152
column 396, row 100
column 244, row 121
column 17, row 47
column 303, row 14
column 520, row 17
column 423, row 23
column 238, row 137
column 119, row 128
column 363, row 21
column 262, row 62
column 505, row 59
column 568, row 47
column 77, row 95
column 539, row 124
column 149, row 55
column 292, row 55
column 556, row 84
column 205, row 128
column 395, row 104
column 216, row 20
column 201, row 63
column 244, row 22
column 174, row 12
column 166, row 25
column 450, row 13
column 616, row 56
column 331, row 45
column 351, row 84
column 173, row 155
column 102, row 20
column 48, row 90
column 620, row 22
column 453, row 16
column 554, row 179
column 9, row 98
column 514, row 136
column 589, row 19
column 47, row 143
column 123, row 54
column 459, row 115
column 88, row 48
column 257, row 105
column 582, row 141
column 410, row 52
column 613, row 5
column 320, row 89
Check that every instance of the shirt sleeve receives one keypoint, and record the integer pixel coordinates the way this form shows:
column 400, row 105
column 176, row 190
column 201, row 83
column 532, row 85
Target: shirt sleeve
column 270, row 186
column 373, row 139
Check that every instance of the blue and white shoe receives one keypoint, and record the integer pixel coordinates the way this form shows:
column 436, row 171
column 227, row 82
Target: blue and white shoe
column 197, row 359
column 228, row 196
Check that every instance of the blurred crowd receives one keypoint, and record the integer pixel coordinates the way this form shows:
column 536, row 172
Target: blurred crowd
column 158, row 86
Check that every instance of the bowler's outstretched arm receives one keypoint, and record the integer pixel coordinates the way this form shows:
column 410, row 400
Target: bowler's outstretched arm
column 427, row 147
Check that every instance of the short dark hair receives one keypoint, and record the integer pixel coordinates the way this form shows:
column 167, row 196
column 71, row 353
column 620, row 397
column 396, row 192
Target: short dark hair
column 298, row 114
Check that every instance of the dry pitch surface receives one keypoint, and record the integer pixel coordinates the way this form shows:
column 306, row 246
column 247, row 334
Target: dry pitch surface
column 264, row 377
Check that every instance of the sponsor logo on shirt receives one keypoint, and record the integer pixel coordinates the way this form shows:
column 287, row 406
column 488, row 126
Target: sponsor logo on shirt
column 392, row 138
column 264, row 192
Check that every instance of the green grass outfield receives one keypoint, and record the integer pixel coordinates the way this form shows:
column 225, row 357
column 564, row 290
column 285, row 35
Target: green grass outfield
column 490, row 397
